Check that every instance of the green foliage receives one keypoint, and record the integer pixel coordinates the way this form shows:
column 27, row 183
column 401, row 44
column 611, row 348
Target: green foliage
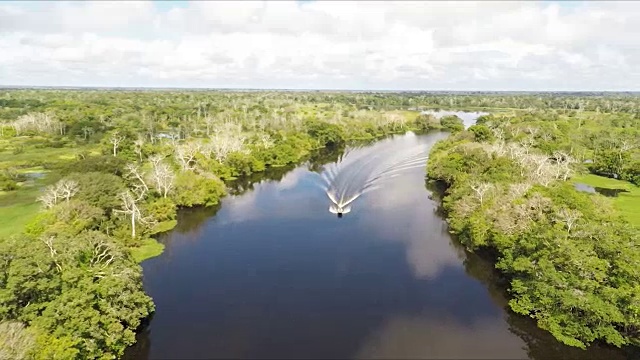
column 82, row 286
column 481, row 133
column 100, row 164
column 7, row 184
column 627, row 201
column 193, row 190
column 426, row 122
column 452, row 123
column 78, row 308
column 570, row 258
column 99, row 189
column 326, row 134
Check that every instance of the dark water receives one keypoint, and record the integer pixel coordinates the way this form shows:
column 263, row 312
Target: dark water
column 600, row 190
column 275, row 275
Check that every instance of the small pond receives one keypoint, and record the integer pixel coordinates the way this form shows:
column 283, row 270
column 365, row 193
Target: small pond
column 600, row 190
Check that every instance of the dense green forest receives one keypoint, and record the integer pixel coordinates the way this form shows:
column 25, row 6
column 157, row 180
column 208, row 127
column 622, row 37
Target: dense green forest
column 89, row 177
column 571, row 257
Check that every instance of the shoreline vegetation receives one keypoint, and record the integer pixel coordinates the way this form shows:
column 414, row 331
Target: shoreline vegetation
column 571, row 257
column 89, row 178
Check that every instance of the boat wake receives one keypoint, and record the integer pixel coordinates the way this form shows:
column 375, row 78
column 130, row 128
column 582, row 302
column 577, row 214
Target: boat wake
column 363, row 169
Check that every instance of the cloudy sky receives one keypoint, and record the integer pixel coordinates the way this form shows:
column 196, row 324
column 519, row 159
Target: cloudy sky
column 525, row 45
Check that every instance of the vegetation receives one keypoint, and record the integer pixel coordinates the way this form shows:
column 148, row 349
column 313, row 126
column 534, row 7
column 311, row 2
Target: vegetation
column 627, row 196
column 88, row 178
column 571, row 257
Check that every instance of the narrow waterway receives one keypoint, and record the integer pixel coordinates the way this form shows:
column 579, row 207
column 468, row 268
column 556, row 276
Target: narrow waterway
column 272, row 273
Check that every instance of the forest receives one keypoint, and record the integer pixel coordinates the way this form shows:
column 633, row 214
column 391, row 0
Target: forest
column 89, row 178
column 570, row 257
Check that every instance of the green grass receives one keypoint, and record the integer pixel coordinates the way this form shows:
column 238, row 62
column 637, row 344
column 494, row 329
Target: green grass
column 627, row 203
column 14, row 218
column 17, row 208
column 149, row 248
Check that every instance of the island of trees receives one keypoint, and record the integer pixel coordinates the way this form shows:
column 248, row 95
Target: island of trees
column 88, row 178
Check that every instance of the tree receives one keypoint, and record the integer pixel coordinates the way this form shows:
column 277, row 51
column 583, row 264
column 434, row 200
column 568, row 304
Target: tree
column 16, row 341
column 101, row 190
column 569, row 217
column 162, row 176
column 63, row 189
column 138, row 145
column 481, row 133
column 186, row 153
column 195, row 189
column 130, row 208
column 481, row 189
column 115, row 139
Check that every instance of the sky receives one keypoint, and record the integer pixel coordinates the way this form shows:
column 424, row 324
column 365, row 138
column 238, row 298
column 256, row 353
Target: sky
column 378, row 45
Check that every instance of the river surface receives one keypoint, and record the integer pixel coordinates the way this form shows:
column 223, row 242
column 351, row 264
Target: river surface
column 272, row 273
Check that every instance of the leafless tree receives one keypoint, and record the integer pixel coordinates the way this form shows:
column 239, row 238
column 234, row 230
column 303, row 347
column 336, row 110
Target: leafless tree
column 15, row 340
column 63, row 189
column 102, row 255
column 140, row 187
column 137, row 146
column 115, row 139
column 38, row 122
column 481, row 189
column 519, row 189
column 86, row 131
column 67, row 188
column 130, row 208
column 564, row 162
column 186, row 153
column 48, row 241
column 568, row 216
column 50, row 197
column 224, row 143
column 162, row 176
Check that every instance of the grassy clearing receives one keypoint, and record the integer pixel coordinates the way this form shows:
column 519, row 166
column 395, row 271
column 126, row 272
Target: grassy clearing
column 627, row 203
column 18, row 207
column 14, row 218
column 149, row 248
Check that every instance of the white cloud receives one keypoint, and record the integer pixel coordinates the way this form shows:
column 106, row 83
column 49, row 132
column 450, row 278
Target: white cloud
column 439, row 336
column 323, row 44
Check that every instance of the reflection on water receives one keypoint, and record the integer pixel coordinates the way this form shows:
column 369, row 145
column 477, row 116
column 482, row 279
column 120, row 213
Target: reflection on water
column 274, row 275
column 600, row 190
column 468, row 118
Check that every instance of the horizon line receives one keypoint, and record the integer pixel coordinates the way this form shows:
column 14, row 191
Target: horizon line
column 71, row 87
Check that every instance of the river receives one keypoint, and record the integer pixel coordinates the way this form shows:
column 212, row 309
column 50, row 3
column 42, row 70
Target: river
column 272, row 273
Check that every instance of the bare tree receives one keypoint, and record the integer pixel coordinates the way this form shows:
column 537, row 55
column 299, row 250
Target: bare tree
column 568, row 216
column 162, row 176
column 50, row 197
column 38, row 122
column 186, row 153
column 140, row 187
column 15, row 340
column 48, row 241
column 115, row 140
column 63, row 189
column 224, row 143
column 130, row 208
column 87, row 131
column 67, row 188
column 481, row 189
column 518, row 190
column 102, row 255
column 564, row 162
column 137, row 146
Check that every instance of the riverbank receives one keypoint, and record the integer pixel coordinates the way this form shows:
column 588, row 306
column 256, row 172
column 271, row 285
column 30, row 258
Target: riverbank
column 552, row 241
